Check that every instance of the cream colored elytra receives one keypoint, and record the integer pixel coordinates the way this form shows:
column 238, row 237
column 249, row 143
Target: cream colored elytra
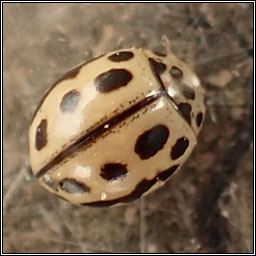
column 78, row 129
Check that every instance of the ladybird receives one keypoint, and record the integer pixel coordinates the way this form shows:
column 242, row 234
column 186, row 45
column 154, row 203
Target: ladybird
column 116, row 127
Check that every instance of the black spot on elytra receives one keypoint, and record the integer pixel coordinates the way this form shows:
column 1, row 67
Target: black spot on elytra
column 185, row 109
column 74, row 187
column 121, row 56
column 179, row 148
column 91, row 136
column 69, row 75
column 112, row 80
column 176, row 72
column 69, row 101
column 141, row 188
column 199, row 118
column 113, row 171
column 188, row 92
column 151, row 141
column 138, row 191
column 167, row 173
column 158, row 67
column 41, row 135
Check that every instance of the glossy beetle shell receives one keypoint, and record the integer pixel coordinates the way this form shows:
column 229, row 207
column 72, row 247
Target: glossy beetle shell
column 116, row 127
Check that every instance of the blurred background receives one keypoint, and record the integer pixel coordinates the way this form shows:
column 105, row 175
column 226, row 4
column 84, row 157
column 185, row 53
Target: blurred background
column 207, row 207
